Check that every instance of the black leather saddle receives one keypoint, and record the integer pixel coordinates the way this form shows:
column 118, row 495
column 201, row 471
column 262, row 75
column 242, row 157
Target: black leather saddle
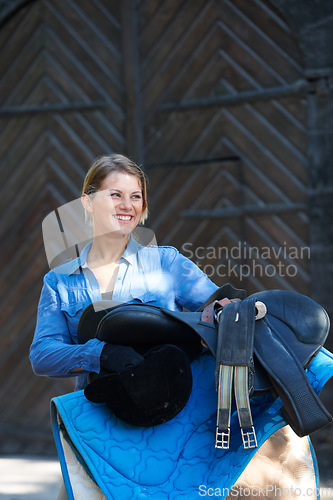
column 253, row 356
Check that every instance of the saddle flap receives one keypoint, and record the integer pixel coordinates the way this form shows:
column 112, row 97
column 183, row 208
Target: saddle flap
column 308, row 321
column 303, row 409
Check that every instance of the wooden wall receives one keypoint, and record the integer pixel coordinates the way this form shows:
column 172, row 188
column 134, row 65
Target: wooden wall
column 62, row 104
column 212, row 97
column 224, row 120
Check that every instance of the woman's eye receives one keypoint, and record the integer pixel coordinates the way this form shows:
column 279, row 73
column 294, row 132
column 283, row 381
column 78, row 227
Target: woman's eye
column 134, row 196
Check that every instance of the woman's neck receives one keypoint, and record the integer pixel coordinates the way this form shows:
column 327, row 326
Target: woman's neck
column 107, row 249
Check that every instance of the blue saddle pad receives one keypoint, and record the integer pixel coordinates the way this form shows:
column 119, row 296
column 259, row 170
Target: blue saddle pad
column 170, row 460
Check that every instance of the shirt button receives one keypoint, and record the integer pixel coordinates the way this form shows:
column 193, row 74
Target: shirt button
column 120, row 278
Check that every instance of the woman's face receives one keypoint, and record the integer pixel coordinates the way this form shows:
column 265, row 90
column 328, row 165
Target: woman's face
column 117, row 205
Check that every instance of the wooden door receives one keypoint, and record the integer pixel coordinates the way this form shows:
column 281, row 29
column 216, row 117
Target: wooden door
column 224, row 116
column 62, row 104
column 208, row 95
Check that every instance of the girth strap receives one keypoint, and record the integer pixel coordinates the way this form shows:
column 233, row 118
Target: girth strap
column 234, row 370
column 226, row 290
column 303, row 409
column 243, row 406
column 224, row 392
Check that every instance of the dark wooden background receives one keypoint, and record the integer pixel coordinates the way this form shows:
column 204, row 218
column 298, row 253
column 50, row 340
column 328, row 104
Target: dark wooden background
column 228, row 106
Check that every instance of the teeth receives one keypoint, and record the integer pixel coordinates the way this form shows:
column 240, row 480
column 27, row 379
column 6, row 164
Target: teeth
column 123, row 217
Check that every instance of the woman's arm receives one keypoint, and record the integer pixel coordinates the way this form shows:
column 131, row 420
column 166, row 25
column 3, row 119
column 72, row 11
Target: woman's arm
column 193, row 287
column 52, row 352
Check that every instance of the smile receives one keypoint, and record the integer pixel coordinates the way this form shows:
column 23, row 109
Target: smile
column 123, row 217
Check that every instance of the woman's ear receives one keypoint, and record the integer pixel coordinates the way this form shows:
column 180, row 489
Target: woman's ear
column 86, row 202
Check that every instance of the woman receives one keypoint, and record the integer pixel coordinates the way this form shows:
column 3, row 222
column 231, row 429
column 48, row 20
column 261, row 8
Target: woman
column 113, row 265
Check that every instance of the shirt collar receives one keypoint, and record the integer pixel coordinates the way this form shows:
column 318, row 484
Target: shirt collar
column 80, row 262
column 129, row 255
column 131, row 251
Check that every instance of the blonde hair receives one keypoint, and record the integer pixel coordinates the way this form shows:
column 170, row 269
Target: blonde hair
column 105, row 165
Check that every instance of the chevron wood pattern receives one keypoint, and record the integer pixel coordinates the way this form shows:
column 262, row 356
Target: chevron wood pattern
column 223, row 49
column 65, row 99
column 58, row 53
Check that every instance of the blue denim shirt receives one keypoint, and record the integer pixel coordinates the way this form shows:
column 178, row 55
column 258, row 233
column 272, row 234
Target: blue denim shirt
column 156, row 275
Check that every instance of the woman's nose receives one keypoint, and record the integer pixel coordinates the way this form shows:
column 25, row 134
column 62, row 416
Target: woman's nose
column 125, row 203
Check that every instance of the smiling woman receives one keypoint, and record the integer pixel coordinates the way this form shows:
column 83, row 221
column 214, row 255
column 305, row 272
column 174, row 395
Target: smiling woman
column 115, row 198
column 113, row 266
column 119, row 199
column 97, row 178
column 146, row 380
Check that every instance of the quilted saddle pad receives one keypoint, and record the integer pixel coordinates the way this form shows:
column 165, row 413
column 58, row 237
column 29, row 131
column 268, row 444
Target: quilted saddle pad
column 170, row 460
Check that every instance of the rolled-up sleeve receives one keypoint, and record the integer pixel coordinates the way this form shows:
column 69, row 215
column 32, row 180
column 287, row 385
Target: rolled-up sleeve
column 192, row 286
column 52, row 352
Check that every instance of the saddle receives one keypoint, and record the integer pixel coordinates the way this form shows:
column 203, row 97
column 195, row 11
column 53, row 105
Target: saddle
column 261, row 344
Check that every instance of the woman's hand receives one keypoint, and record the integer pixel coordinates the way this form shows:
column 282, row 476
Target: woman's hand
column 118, row 358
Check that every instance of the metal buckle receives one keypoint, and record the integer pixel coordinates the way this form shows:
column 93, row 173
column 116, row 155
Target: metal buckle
column 222, row 440
column 217, row 313
column 249, row 438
